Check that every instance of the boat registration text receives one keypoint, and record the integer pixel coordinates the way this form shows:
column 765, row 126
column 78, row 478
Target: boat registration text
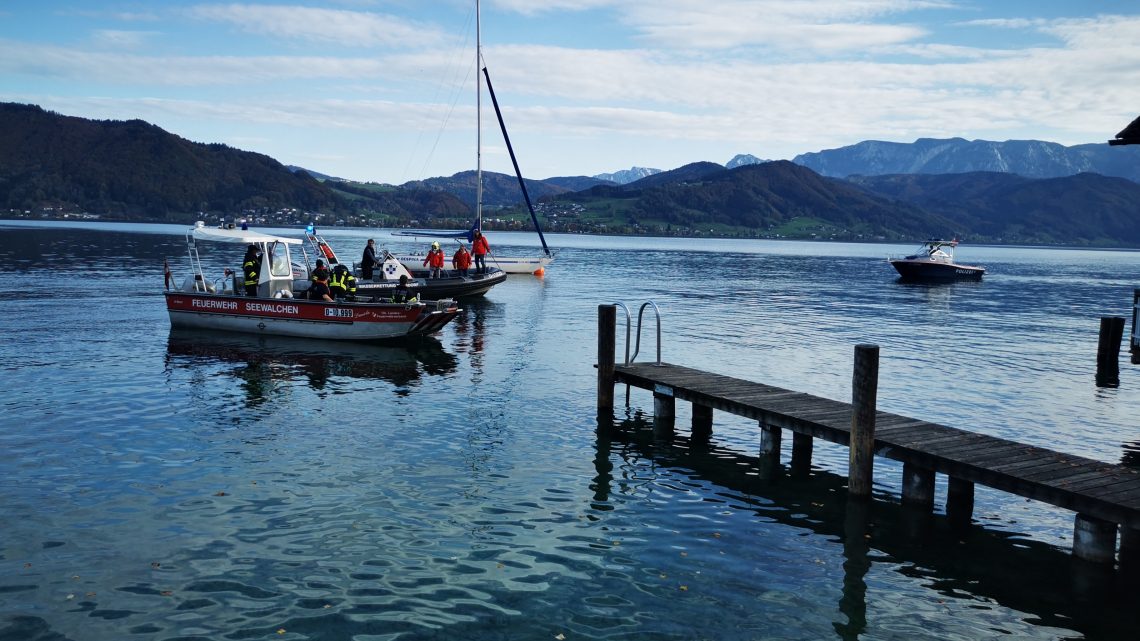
column 254, row 307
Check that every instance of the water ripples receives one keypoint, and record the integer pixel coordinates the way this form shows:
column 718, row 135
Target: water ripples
column 176, row 485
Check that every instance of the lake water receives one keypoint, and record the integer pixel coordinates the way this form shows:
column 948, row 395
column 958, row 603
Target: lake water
column 179, row 485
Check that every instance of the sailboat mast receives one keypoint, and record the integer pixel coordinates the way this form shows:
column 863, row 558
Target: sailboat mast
column 478, row 121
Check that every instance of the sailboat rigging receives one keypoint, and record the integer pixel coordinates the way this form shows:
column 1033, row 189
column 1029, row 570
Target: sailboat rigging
column 510, row 264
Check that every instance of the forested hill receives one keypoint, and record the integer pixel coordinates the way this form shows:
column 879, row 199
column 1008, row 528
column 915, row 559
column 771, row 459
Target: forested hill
column 787, row 200
column 1085, row 209
column 134, row 169
column 774, row 198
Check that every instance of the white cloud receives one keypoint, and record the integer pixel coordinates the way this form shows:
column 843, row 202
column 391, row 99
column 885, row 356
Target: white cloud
column 349, row 28
column 1100, row 33
column 178, row 71
column 137, row 16
column 791, row 25
column 1005, row 23
column 120, row 39
column 374, row 115
column 537, row 7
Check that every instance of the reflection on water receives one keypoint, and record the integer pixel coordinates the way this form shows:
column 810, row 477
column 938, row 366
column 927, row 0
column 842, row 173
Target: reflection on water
column 471, row 327
column 964, row 562
column 262, row 361
column 1131, row 454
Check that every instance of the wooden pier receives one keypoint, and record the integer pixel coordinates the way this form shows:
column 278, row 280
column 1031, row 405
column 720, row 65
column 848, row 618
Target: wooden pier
column 1105, row 496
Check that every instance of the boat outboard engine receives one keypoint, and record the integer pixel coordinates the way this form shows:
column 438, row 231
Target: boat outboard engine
column 195, row 283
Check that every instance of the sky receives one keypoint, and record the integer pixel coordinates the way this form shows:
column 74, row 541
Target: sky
column 384, row 90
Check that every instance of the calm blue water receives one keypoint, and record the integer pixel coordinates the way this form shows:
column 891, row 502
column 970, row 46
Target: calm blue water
column 174, row 485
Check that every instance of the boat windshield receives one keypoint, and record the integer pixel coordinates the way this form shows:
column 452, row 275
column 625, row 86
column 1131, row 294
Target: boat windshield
column 279, row 260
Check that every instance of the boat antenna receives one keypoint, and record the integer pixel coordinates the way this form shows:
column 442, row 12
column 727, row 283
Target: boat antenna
column 515, row 162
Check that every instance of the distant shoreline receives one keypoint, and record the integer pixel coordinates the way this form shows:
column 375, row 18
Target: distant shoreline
column 882, row 241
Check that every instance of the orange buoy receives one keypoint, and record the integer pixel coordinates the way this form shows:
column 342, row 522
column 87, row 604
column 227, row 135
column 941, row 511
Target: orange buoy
column 539, row 272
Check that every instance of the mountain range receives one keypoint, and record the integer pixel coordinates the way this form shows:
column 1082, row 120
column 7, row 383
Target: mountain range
column 771, row 198
column 1029, row 158
column 1009, row 192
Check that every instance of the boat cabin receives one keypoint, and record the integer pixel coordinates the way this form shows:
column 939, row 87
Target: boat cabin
column 277, row 276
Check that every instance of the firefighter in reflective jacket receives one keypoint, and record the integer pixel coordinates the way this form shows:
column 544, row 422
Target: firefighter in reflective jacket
column 249, row 266
column 342, row 284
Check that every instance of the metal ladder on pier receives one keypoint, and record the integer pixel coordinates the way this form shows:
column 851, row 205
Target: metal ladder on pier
column 637, row 347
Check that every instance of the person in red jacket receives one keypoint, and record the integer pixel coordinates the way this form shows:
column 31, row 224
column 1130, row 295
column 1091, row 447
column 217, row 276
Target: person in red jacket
column 480, row 248
column 434, row 261
column 461, row 261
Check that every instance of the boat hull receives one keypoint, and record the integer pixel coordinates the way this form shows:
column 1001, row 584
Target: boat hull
column 933, row 271
column 306, row 319
column 507, row 264
column 521, row 264
column 451, row 286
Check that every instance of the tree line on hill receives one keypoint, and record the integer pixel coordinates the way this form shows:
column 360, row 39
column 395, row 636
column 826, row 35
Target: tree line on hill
column 136, row 171
column 133, row 170
column 784, row 199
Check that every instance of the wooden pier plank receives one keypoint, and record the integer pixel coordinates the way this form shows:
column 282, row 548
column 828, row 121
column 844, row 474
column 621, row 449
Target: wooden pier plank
column 1102, row 490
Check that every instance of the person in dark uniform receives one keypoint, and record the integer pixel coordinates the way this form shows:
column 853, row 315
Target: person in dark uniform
column 319, row 289
column 342, row 283
column 402, row 293
column 320, row 270
column 368, row 262
column 250, row 265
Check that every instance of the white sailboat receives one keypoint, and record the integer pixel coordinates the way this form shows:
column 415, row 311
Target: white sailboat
column 510, row 263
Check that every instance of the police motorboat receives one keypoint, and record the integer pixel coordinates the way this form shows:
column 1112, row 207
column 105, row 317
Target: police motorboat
column 934, row 262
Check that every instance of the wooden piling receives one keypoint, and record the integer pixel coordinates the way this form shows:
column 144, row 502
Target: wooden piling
column 1094, row 540
column 702, row 423
column 770, row 437
column 918, row 487
column 1134, row 342
column 1130, row 553
column 1108, row 351
column 607, row 348
column 664, row 411
column 960, row 500
column 864, row 391
column 802, row 445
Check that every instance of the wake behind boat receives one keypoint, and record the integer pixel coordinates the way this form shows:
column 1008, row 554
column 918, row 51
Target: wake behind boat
column 934, row 262
column 280, row 306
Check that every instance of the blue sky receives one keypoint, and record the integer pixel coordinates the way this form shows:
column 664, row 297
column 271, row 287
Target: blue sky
column 383, row 90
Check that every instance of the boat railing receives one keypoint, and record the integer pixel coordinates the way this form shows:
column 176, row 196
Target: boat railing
column 195, row 259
